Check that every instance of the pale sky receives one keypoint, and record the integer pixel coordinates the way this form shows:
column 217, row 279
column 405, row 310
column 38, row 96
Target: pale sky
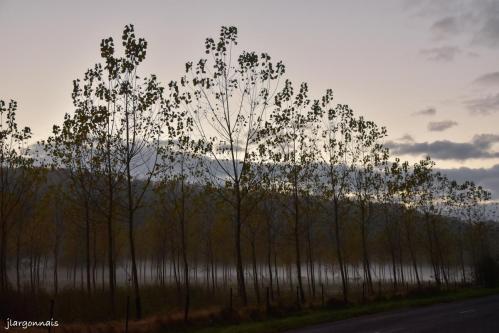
column 427, row 70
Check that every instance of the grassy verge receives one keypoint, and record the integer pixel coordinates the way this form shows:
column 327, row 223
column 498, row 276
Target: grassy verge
column 311, row 317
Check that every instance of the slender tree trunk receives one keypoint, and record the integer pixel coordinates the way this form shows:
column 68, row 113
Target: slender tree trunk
column 214, row 273
column 184, row 254
column 366, row 263
column 94, row 252
column 110, row 242
column 391, row 246
column 339, row 253
column 87, row 244
column 439, row 254
column 461, row 254
column 31, row 272
column 37, row 265
column 255, row 271
column 56, row 263
column 3, row 262
column 269, row 261
column 297, row 242
column 135, row 277
column 400, row 254
column 18, row 261
column 433, row 259
column 74, row 273
column 131, row 211
column 276, row 273
column 239, row 261
column 411, row 252
column 311, row 275
column 394, row 265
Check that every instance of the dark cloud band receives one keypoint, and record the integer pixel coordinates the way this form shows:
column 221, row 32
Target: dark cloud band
column 479, row 147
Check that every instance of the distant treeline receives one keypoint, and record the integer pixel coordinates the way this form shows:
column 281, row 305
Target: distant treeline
column 229, row 176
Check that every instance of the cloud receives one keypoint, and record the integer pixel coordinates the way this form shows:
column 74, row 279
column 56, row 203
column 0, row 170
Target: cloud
column 439, row 126
column 477, row 21
column 431, row 111
column 489, row 79
column 483, row 105
column 406, row 138
column 488, row 34
column 426, row 8
column 485, row 141
column 445, row 28
column 480, row 146
column 441, row 54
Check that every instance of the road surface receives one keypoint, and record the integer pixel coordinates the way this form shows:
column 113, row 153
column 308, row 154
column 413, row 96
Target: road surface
column 473, row 316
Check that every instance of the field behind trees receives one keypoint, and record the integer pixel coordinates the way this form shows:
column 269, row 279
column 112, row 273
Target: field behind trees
column 229, row 188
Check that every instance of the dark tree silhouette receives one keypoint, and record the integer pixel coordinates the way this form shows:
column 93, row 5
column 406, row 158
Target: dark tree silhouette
column 227, row 96
column 16, row 177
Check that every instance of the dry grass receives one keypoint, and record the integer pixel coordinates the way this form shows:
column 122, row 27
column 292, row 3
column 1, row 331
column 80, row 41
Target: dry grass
column 170, row 319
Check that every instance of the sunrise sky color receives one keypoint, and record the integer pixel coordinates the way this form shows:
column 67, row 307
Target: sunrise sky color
column 427, row 70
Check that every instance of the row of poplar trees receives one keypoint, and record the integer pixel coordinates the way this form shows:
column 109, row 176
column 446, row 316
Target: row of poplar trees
column 234, row 123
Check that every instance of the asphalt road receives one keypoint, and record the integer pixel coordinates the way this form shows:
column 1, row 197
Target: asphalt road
column 474, row 316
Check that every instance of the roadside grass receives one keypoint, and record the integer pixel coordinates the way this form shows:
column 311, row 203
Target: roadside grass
column 77, row 306
column 312, row 317
column 281, row 317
